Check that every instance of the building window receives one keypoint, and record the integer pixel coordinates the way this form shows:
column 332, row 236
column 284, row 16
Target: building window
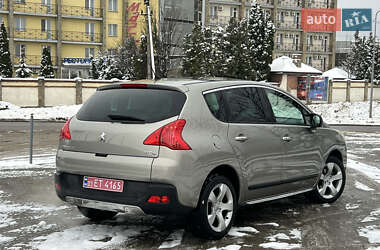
column 279, row 39
column 309, row 60
column 20, row 50
column 89, row 4
column 280, row 17
column 90, row 28
column 1, row 4
column 20, row 1
column 89, row 52
column 214, row 11
column 324, row 64
column 112, row 5
column 112, row 29
column 20, row 24
column 45, row 25
column 233, row 12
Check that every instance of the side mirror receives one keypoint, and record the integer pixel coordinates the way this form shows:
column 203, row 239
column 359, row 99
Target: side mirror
column 316, row 121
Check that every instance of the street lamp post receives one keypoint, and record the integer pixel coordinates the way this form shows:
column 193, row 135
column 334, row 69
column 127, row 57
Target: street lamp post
column 150, row 39
column 373, row 69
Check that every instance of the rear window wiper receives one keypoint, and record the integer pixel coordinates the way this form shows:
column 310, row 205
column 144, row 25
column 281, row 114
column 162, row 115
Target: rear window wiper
column 125, row 118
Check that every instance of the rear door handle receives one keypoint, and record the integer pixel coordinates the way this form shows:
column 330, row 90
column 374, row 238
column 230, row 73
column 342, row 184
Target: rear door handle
column 287, row 138
column 241, row 138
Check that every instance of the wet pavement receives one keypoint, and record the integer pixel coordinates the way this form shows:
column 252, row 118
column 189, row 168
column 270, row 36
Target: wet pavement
column 31, row 216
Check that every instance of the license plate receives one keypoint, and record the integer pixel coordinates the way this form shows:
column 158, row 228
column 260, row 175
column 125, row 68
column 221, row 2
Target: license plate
column 103, row 184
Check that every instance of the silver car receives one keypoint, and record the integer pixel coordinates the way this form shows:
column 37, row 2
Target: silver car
column 196, row 148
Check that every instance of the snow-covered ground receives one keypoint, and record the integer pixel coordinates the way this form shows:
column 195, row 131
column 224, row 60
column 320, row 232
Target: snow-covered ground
column 336, row 113
column 356, row 113
column 44, row 229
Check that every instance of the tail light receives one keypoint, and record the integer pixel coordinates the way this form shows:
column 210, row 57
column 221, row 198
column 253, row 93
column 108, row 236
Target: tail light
column 65, row 131
column 169, row 136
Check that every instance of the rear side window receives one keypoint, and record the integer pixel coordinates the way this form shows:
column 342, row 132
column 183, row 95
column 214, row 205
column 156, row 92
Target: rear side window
column 216, row 105
column 132, row 105
column 237, row 105
column 244, row 105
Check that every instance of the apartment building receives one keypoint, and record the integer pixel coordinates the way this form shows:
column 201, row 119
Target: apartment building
column 316, row 49
column 73, row 30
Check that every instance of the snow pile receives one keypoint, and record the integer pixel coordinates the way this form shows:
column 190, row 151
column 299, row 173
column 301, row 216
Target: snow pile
column 173, row 240
column 241, row 231
column 277, row 241
column 88, row 237
column 370, row 171
column 336, row 73
column 7, row 106
column 372, row 233
column 373, row 216
column 348, row 113
column 363, row 187
column 53, row 113
column 286, row 64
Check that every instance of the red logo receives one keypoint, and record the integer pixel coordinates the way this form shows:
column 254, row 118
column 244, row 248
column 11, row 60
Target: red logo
column 321, row 19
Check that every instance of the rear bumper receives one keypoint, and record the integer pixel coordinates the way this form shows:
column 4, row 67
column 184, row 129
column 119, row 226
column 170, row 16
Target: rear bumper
column 133, row 200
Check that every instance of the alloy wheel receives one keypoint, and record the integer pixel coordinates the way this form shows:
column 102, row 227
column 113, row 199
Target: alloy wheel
column 330, row 182
column 220, row 206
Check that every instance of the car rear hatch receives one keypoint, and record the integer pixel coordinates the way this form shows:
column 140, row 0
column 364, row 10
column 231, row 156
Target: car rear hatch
column 108, row 133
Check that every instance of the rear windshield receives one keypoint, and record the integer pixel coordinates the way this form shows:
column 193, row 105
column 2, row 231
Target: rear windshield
column 132, row 105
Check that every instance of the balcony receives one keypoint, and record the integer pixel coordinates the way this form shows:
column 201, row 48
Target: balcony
column 35, row 35
column 262, row 3
column 35, row 9
column 320, row 5
column 318, row 48
column 288, row 47
column 81, row 37
column 220, row 20
column 33, row 60
column 288, row 25
column 81, row 12
column 292, row 4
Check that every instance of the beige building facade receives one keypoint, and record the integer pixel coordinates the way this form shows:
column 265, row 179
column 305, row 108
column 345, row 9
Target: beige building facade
column 316, row 49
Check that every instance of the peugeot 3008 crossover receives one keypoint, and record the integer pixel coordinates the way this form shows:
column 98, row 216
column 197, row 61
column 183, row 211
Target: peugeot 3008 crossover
column 196, row 148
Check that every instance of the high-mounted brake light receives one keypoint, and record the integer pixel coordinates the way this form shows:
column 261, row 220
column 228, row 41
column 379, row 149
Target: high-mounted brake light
column 133, row 85
column 65, row 131
column 169, row 136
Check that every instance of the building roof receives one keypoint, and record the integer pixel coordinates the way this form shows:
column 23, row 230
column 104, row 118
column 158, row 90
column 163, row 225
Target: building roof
column 336, row 73
column 285, row 64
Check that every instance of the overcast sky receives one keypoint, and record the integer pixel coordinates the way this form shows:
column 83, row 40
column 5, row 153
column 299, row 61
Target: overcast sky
column 374, row 4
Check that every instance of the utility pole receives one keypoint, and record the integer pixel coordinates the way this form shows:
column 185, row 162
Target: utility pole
column 203, row 14
column 147, row 3
column 373, row 69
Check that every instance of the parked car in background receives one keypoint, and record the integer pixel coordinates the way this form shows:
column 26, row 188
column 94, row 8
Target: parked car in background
column 196, row 148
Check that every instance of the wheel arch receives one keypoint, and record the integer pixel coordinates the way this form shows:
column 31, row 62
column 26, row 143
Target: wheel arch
column 230, row 173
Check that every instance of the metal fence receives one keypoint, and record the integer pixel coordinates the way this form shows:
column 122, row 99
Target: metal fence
column 81, row 11
column 81, row 37
column 35, row 8
column 33, row 60
column 35, row 34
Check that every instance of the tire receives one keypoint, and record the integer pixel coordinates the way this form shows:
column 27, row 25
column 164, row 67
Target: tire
column 96, row 214
column 332, row 181
column 221, row 208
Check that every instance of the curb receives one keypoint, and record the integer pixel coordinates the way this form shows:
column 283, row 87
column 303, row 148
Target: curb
column 35, row 120
column 353, row 125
